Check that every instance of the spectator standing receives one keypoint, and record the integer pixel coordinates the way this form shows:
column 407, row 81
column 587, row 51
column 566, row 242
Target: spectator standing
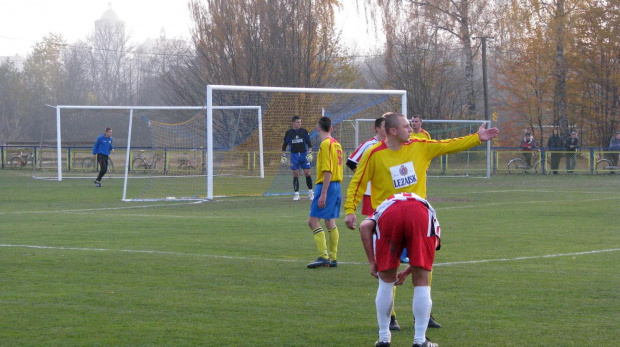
column 571, row 145
column 527, row 146
column 554, row 144
column 614, row 145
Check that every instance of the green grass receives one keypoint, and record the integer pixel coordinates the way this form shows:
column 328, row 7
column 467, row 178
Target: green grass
column 78, row 267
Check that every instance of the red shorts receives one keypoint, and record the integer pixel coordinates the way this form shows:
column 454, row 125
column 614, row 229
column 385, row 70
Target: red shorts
column 367, row 209
column 405, row 224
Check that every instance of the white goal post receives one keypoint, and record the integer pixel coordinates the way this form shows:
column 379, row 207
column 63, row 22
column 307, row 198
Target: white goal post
column 216, row 96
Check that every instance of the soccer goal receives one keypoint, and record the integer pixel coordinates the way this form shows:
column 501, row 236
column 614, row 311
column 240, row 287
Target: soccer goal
column 159, row 151
column 278, row 106
column 475, row 162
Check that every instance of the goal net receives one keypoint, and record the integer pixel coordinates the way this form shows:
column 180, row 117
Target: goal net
column 473, row 162
column 159, row 151
column 278, row 106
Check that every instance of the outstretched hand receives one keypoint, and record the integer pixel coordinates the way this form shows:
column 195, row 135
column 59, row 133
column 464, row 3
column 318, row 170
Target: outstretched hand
column 485, row 134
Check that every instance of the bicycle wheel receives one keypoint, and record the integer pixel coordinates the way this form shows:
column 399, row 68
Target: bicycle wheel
column 517, row 166
column 138, row 166
column 604, row 167
column 30, row 161
column 88, row 164
column 539, row 170
column 157, row 164
column 15, row 162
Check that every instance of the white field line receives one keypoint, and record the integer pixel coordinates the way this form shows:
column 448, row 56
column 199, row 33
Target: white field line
column 99, row 209
column 103, row 209
column 297, row 261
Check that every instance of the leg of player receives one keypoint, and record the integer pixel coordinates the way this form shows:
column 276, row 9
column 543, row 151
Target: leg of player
column 431, row 320
column 321, row 244
column 309, row 184
column 103, row 168
column 296, row 184
column 394, row 326
column 334, row 237
column 421, row 305
column 383, row 304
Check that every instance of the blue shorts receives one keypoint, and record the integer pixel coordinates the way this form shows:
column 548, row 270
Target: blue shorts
column 298, row 161
column 332, row 203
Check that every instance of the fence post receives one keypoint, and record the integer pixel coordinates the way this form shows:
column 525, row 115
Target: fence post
column 592, row 161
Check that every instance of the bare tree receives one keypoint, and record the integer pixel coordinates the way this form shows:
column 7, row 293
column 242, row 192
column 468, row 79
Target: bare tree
column 12, row 103
column 462, row 19
column 278, row 42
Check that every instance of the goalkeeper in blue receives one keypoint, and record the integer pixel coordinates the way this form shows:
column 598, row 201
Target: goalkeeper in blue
column 298, row 140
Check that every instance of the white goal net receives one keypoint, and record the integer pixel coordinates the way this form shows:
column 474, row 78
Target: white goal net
column 278, row 106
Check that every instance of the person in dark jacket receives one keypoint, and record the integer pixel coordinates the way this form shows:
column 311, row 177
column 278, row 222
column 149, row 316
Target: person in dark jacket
column 614, row 145
column 571, row 145
column 528, row 146
column 298, row 140
column 555, row 143
column 101, row 151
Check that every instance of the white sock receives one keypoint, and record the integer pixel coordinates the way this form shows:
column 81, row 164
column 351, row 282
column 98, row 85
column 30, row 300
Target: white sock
column 422, row 305
column 383, row 302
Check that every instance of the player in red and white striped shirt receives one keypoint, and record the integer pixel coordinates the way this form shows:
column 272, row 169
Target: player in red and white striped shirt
column 404, row 220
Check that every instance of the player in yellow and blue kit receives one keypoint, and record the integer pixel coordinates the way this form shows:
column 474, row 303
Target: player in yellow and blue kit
column 327, row 197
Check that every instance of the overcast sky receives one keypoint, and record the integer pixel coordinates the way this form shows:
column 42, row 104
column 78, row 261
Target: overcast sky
column 25, row 22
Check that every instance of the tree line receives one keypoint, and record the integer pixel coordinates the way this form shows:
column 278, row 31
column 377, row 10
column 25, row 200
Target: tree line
column 550, row 63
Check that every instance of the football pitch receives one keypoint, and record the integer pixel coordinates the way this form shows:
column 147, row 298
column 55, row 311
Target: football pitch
column 526, row 260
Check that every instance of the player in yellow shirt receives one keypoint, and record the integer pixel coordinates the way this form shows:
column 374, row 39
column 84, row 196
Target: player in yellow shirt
column 327, row 196
column 398, row 164
column 416, row 127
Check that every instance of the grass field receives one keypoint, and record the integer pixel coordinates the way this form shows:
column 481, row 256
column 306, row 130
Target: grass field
column 525, row 261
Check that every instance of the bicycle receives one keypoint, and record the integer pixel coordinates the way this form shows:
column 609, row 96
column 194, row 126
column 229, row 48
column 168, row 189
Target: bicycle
column 140, row 165
column 90, row 165
column 20, row 160
column 519, row 166
column 604, row 166
column 185, row 164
